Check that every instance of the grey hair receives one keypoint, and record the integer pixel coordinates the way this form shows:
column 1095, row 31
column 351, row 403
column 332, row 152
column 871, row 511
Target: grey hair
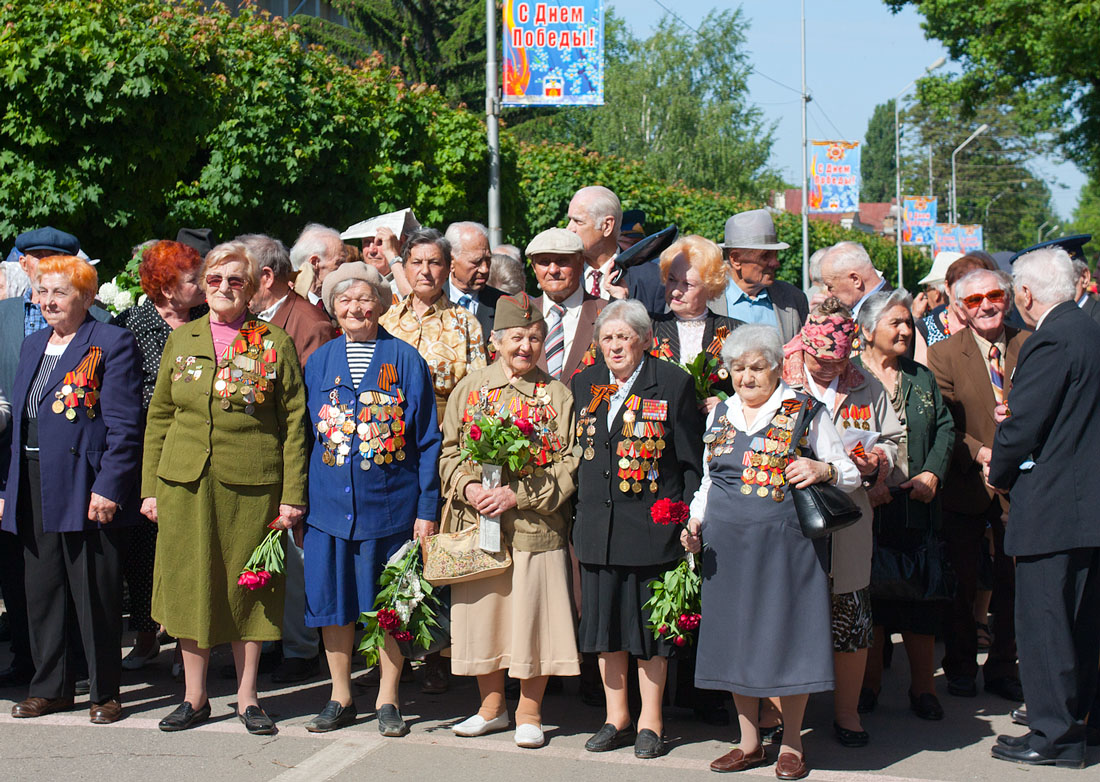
column 1047, row 273
column 16, row 281
column 506, row 274
column 1006, row 282
column 315, row 239
column 629, row 311
column 603, row 203
column 270, row 254
column 509, row 249
column 873, row 309
column 423, row 235
column 456, row 230
column 380, row 287
column 849, row 257
column 815, row 265
column 753, row 338
column 1080, row 266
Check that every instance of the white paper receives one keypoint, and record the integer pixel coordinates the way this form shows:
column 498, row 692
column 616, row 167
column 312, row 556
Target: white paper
column 489, row 526
column 852, row 435
column 400, row 222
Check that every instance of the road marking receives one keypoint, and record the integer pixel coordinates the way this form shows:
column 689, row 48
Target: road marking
column 337, row 756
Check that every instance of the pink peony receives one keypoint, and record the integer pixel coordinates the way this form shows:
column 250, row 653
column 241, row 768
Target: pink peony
column 249, row 580
column 679, row 640
column 475, row 432
column 525, row 426
column 264, row 577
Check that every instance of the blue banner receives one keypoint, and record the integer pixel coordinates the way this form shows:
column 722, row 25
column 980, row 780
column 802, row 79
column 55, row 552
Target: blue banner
column 553, row 53
column 919, row 226
column 952, row 237
column 834, row 176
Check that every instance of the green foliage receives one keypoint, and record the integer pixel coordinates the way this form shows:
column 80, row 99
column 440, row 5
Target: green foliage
column 409, row 600
column 1086, row 216
column 878, row 164
column 676, row 595
column 492, row 439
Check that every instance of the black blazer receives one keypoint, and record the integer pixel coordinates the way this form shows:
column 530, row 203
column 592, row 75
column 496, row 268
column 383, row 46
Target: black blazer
column 643, row 282
column 613, row 528
column 665, row 328
column 1091, row 307
column 487, row 311
column 1055, row 422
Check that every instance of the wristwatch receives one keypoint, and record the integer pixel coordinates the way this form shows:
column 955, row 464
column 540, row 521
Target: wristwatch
column 833, row 474
column 396, row 260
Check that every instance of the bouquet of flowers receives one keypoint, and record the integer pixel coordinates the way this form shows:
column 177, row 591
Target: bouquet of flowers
column 267, row 560
column 124, row 290
column 674, row 607
column 405, row 607
column 705, row 371
column 495, row 441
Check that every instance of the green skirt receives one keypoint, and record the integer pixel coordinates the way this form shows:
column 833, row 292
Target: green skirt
column 207, row 532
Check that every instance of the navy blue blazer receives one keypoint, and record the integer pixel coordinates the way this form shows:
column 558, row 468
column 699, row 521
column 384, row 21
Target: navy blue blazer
column 101, row 454
column 348, row 502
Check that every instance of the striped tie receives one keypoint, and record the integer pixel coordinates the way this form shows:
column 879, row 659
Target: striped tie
column 996, row 374
column 555, row 342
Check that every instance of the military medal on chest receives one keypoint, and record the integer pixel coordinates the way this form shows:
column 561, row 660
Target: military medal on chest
column 81, row 387
column 376, row 432
column 246, row 369
column 764, row 462
column 642, row 443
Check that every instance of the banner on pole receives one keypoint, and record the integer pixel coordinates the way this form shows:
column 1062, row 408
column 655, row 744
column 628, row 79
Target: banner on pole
column 919, row 222
column 952, row 237
column 834, row 176
column 553, row 53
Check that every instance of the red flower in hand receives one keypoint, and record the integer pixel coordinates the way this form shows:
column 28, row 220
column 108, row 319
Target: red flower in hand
column 475, row 432
column 666, row 511
column 525, row 426
column 402, row 635
column 263, row 577
column 388, row 620
column 679, row 640
column 249, row 580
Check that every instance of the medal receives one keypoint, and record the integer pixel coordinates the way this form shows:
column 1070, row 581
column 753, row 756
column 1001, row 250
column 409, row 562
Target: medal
column 746, row 489
column 762, row 491
column 58, row 406
column 589, row 453
column 624, row 487
column 364, row 465
column 778, row 495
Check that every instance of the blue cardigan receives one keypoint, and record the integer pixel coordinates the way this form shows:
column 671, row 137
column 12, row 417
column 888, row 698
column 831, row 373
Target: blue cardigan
column 354, row 504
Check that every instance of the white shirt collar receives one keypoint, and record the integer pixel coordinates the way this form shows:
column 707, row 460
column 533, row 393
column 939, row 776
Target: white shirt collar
column 735, row 411
column 269, row 313
column 827, row 396
column 574, row 299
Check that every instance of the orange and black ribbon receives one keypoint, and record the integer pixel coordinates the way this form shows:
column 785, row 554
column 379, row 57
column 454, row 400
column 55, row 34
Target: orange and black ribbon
column 791, row 406
column 601, row 394
column 387, row 377
column 86, row 369
column 720, row 335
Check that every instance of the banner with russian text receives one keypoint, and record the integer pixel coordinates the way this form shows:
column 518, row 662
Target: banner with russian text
column 834, row 176
column 919, row 221
column 952, row 237
column 553, row 53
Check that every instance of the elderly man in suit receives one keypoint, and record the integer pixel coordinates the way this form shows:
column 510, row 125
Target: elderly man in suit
column 974, row 370
column 468, row 284
column 753, row 294
column 1045, row 453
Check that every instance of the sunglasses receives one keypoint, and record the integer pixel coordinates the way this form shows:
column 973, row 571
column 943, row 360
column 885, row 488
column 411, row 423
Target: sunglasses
column 215, row 281
column 974, row 300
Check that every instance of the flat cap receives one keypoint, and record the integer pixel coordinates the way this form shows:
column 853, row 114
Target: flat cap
column 48, row 238
column 557, row 241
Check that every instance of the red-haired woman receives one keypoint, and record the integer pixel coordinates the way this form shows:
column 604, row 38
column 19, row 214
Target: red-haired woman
column 169, row 274
column 72, row 486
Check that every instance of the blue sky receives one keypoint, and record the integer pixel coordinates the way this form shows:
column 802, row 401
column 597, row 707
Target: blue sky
column 880, row 54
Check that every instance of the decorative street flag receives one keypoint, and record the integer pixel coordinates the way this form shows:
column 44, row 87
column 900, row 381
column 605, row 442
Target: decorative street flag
column 953, row 237
column 919, row 226
column 834, row 176
column 553, row 53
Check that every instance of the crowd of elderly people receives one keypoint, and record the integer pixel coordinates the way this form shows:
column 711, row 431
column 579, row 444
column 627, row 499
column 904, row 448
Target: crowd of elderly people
column 162, row 447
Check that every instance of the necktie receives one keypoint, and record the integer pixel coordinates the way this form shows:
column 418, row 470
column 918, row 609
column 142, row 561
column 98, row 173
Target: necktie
column 996, row 374
column 465, row 300
column 596, row 275
column 555, row 341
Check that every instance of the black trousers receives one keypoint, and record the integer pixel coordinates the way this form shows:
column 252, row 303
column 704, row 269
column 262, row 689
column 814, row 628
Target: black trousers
column 70, row 573
column 1058, row 616
column 965, row 537
column 15, row 599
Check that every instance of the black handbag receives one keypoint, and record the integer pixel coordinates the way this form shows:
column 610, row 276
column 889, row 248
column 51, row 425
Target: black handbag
column 908, row 564
column 821, row 507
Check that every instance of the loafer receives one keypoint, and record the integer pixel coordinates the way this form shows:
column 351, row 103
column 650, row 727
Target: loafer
column 1014, row 741
column 791, row 766
column 1019, row 716
column 1027, row 756
column 609, row 737
column 529, row 736
column 105, row 713
column 296, row 669
column 848, row 738
column 137, row 659
column 926, row 706
column 38, row 707
column 185, row 716
column 479, row 726
column 649, row 745
column 333, row 717
column 962, row 686
column 868, row 700
column 1006, row 687
column 256, row 721
column 737, row 760
column 772, row 735
column 390, row 722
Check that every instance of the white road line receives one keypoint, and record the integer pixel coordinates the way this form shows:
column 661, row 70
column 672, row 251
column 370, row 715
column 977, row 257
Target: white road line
column 333, row 759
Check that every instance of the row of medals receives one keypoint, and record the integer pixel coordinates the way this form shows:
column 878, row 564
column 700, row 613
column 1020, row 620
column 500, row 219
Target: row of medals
column 544, row 439
column 637, row 456
column 88, row 397
column 231, row 379
column 384, row 445
column 764, row 463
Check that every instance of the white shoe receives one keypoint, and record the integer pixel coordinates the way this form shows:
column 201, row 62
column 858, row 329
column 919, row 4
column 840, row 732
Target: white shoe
column 479, row 726
column 530, row 736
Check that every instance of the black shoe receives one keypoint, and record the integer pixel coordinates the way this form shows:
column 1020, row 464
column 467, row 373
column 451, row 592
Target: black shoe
column 390, row 722
column 1030, row 757
column 609, row 737
column 962, row 686
column 333, row 717
column 851, row 738
column 926, row 706
column 1019, row 716
column 185, row 716
column 772, row 735
column 1014, row 741
column 16, row 676
column 648, row 745
column 256, row 721
column 868, row 700
column 1008, row 687
column 82, row 686
column 296, row 669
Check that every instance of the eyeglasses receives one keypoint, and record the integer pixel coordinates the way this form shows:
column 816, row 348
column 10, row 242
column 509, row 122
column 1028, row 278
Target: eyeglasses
column 215, row 281
column 974, row 300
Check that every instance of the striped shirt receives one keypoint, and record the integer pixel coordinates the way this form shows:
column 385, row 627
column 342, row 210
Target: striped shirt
column 359, row 357
column 40, row 383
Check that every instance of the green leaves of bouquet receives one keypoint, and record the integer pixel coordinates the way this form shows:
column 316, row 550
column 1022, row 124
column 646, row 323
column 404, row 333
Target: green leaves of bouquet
column 406, row 606
column 704, row 373
column 494, row 439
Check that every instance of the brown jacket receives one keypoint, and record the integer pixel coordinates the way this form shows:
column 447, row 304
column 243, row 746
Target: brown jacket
column 962, row 373
column 308, row 326
column 583, row 338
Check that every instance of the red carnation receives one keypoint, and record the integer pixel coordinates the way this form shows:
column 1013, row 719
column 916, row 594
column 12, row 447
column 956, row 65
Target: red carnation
column 402, row 635
column 475, row 432
column 666, row 511
column 525, row 426
column 388, row 620
column 264, row 577
column 714, row 378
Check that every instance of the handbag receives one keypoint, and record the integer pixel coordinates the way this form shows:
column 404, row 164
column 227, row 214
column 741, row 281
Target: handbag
column 455, row 557
column 821, row 507
column 903, row 566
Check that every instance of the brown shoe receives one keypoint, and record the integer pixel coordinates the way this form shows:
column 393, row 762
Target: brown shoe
column 37, row 707
column 736, row 760
column 106, row 713
column 790, row 766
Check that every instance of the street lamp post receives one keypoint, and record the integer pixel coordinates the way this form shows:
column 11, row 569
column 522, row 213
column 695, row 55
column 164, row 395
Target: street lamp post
column 992, row 201
column 1051, row 231
column 897, row 163
column 954, row 185
column 1039, row 233
column 492, row 114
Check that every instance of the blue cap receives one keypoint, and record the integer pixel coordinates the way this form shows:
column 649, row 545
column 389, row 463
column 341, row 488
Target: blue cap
column 1071, row 244
column 47, row 238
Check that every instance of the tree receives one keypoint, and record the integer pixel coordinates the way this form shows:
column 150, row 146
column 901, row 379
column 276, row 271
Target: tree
column 1086, row 216
column 878, row 163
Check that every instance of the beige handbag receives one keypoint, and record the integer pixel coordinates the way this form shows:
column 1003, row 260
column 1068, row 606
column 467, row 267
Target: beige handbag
column 454, row 557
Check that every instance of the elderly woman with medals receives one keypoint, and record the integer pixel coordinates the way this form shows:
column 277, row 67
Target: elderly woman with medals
column 71, row 487
column 225, row 458
column 640, row 437
column 817, row 363
column 519, row 622
column 744, row 514
column 372, row 480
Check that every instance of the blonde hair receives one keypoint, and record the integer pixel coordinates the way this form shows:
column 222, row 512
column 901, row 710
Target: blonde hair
column 704, row 256
column 81, row 273
column 227, row 252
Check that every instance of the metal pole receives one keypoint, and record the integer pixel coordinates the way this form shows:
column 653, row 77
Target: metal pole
column 1051, row 231
column 805, row 178
column 954, row 186
column 992, row 201
column 931, row 192
column 1039, row 233
column 899, row 213
column 492, row 113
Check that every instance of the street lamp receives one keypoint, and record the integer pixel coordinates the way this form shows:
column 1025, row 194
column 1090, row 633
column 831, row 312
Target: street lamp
column 1052, row 230
column 992, row 201
column 897, row 162
column 954, row 185
column 1039, row 233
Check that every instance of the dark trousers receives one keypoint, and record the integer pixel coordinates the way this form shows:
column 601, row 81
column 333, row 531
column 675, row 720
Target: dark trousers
column 1058, row 613
column 965, row 538
column 15, row 599
column 70, row 573
column 137, row 569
